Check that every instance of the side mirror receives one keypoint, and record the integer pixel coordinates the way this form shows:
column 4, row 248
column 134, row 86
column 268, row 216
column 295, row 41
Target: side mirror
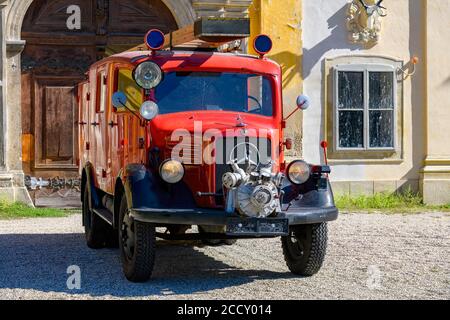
column 303, row 102
column 119, row 100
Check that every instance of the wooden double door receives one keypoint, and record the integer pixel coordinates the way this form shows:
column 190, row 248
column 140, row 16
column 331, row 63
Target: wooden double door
column 56, row 59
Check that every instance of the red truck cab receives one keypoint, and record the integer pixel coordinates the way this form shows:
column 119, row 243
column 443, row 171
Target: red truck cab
column 194, row 140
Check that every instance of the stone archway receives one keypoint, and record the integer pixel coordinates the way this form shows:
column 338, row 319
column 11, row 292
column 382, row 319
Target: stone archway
column 12, row 16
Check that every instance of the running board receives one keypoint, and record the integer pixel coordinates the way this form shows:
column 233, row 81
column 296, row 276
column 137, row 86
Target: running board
column 105, row 214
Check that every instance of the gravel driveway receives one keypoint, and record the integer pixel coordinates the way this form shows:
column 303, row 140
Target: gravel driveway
column 370, row 257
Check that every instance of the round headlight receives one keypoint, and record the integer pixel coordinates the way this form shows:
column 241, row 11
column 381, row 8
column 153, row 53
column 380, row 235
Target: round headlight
column 298, row 172
column 148, row 75
column 172, row 171
column 149, row 110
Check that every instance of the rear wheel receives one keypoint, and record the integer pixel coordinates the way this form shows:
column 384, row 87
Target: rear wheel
column 96, row 230
column 305, row 248
column 137, row 243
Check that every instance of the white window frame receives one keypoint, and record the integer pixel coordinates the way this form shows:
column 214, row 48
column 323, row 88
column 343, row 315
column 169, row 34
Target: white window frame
column 365, row 69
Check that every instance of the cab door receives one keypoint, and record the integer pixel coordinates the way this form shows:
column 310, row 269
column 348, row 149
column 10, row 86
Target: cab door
column 125, row 134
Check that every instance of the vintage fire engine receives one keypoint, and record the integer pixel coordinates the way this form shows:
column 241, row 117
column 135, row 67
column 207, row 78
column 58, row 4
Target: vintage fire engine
column 186, row 144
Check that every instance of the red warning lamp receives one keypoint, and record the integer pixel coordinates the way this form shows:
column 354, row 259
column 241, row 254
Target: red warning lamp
column 154, row 39
column 324, row 145
column 289, row 144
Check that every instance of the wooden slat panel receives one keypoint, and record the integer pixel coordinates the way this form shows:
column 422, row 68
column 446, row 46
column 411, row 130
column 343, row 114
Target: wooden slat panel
column 55, row 123
column 59, row 104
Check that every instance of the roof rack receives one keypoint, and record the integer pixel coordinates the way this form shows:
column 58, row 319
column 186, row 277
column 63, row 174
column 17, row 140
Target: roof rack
column 205, row 34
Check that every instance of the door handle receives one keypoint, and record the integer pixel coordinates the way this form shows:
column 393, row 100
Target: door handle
column 82, row 123
column 141, row 143
column 95, row 124
column 112, row 124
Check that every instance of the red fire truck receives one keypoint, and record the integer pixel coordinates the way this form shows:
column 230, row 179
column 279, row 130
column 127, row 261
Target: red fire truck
column 185, row 144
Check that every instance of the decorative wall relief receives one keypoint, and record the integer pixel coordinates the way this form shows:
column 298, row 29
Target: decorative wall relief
column 364, row 21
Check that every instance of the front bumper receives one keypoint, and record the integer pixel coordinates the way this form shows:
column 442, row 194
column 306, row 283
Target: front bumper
column 211, row 217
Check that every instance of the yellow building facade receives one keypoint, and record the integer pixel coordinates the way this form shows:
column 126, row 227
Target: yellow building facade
column 406, row 38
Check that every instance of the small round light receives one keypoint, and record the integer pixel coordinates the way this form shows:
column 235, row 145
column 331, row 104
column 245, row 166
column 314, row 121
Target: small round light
column 298, row 172
column 148, row 75
column 262, row 44
column 149, row 110
column 172, row 171
column 154, row 39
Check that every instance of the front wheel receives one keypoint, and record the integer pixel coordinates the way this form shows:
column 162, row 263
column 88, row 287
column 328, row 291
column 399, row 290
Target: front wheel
column 137, row 242
column 305, row 248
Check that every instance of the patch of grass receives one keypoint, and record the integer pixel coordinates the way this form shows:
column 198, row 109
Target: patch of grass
column 406, row 202
column 19, row 210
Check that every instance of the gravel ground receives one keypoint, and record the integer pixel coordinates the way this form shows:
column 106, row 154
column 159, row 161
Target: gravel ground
column 369, row 257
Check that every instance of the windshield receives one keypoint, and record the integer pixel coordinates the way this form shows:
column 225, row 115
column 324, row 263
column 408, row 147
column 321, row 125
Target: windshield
column 215, row 91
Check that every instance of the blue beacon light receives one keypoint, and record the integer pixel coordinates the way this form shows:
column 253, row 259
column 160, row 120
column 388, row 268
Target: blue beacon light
column 154, row 39
column 262, row 44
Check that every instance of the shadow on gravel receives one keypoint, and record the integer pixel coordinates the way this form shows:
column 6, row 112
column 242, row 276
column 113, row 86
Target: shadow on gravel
column 40, row 262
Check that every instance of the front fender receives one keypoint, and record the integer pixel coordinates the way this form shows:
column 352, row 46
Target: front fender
column 94, row 200
column 314, row 194
column 145, row 189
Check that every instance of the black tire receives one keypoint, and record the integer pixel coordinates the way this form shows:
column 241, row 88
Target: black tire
column 112, row 240
column 137, row 243
column 96, row 230
column 305, row 248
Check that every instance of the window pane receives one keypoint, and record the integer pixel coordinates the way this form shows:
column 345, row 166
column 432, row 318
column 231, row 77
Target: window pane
column 127, row 85
column 351, row 90
column 351, row 129
column 381, row 129
column 214, row 91
column 102, row 95
column 381, row 88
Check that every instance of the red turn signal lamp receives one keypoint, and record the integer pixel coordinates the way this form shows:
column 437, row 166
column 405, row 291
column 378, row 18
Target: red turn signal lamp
column 262, row 44
column 155, row 39
column 324, row 145
column 289, row 144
